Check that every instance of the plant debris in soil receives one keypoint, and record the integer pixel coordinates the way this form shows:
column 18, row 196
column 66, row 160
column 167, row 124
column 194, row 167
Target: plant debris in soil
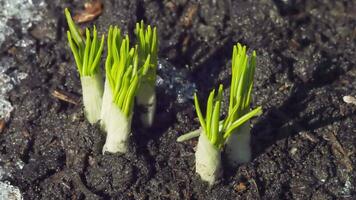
column 92, row 10
column 303, row 144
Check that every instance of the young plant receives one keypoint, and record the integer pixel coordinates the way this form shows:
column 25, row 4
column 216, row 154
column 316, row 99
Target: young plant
column 215, row 133
column 87, row 54
column 122, row 83
column 146, row 95
column 208, row 156
column 238, row 148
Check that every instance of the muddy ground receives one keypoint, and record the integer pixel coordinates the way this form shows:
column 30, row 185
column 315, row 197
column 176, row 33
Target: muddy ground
column 303, row 144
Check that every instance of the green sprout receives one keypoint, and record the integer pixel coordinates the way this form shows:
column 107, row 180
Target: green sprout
column 243, row 69
column 121, row 70
column 147, row 47
column 87, row 55
column 238, row 148
column 123, row 76
column 211, row 124
column 215, row 134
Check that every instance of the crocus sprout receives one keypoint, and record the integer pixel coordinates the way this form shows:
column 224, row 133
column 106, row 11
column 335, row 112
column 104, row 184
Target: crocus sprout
column 146, row 95
column 238, row 148
column 215, row 133
column 122, row 83
column 87, row 54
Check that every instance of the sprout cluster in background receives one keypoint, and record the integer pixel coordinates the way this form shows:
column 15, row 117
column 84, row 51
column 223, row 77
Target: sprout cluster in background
column 147, row 48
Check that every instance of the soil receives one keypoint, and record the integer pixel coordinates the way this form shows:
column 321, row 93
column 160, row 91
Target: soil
column 303, row 144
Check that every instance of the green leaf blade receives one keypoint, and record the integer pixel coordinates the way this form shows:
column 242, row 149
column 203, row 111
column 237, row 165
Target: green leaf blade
column 200, row 115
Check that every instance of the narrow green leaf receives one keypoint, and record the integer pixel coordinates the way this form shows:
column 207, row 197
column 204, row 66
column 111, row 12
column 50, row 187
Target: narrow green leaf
column 115, row 53
column 135, row 63
column 233, row 79
column 240, row 88
column 121, row 66
column 125, row 87
column 243, row 87
column 209, row 112
column 198, row 111
column 128, row 104
column 123, row 57
column 251, row 77
column 73, row 29
column 96, row 61
column 220, row 92
column 242, row 120
column 142, row 43
column 215, row 124
column 230, row 117
column 154, row 48
column 108, row 65
column 75, row 53
column 137, row 29
column 109, row 40
column 86, row 53
column 142, row 25
column 146, row 65
column 92, row 51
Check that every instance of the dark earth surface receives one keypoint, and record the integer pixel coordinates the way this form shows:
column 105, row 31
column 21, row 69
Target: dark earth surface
column 303, row 144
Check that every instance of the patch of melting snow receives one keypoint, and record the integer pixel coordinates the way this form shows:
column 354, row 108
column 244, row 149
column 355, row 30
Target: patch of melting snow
column 5, row 31
column 25, row 13
column 9, row 192
column 7, row 82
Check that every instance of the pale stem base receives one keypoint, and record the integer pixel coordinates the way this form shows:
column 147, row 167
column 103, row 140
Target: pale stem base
column 92, row 88
column 207, row 160
column 118, row 131
column 105, row 109
column 146, row 98
column 238, row 148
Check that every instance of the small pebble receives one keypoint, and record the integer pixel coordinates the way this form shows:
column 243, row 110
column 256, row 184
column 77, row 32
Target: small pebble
column 293, row 151
column 349, row 99
column 240, row 187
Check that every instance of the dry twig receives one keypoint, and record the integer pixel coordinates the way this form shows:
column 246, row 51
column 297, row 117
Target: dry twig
column 338, row 151
column 64, row 96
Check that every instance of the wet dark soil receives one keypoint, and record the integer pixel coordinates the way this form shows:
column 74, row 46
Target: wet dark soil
column 303, row 144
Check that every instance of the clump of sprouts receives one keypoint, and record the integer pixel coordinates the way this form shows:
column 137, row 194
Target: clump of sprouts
column 123, row 76
column 130, row 72
column 238, row 148
column 87, row 55
column 146, row 95
column 215, row 134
